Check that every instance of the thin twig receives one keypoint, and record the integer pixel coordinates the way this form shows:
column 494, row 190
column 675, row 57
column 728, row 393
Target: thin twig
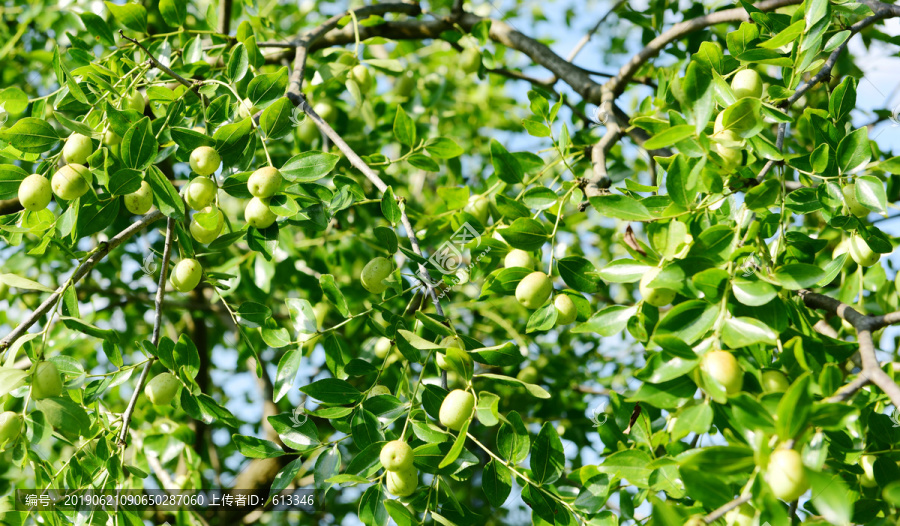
column 159, row 65
column 725, row 508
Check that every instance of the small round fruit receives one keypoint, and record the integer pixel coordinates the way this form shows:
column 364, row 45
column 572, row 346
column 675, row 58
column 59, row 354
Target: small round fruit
column 307, row 132
column 566, row 312
column 856, row 208
column 774, row 381
column 656, row 296
column 383, row 347
column 455, row 342
column 528, row 374
column 111, row 138
column 35, row 193
column 207, row 235
column 479, row 207
column 246, row 109
column 743, row 515
column 45, row 381
column 135, row 101
column 10, row 426
column 205, row 160
column 534, row 290
column 867, row 479
column 77, row 149
column 747, row 83
column 265, row 182
column 379, row 390
column 71, row 181
column 361, row 75
column 861, row 253
column 324, row 110
column 161, row 390
column 186, row 275
column 518, row 258
column 470, row 60
column 786, row 476
column 456, row 409
column 405, row 84
column 200, row 193
column 258, row 215
column 724, row 369
column 374, row 274
column 731, row 156
column 141, row 201
column 402, row 483
column 396, row 456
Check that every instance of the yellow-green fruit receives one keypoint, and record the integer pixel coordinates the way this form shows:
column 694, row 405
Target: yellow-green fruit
column 374, row 274
column 456, row 409
column 135, row 101
column 10, row 426
column 727, row 137
column 479, row 207
column 111, row 138
column 45, row 381
column 528, row 374
column 451, row 341
column 867, row 479
column 141, row 201
column 161, row 390
column 35, row 193
column 518, row 258
column 265, row 182
column 402, row 483
column 205, row 160
column 470, row 60
column 199, row 129
column 743, row 515
column 534, row 290
column 71, row 181
column 363, row 78
column 200, row 193
column 656, row 296
column 731, row 156
column 774, row 381
column 861, row 253
column 246, row 109
column 379, row 390
column 396, row 455
column 747, row 83
column 786, row 475
column 258, row 215
column 186, row 275
column 77, row 149
column 207, row 235
column 853, row 204
column 722, row 367
column 383, row 347
column 307, row 131
column 566, row 312
column 324, row 110
column 405, row 84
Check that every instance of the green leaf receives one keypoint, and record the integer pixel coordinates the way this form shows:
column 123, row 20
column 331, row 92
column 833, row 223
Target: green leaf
column 621, row 207
column 11, row 177
column 238, row 63
column 276, row 120
column 139, row 146
column 794, row 408
column 608, row 321
column 443, row 148
column 173, row 12
column 457, row 447
column 334, row 295
column 630, row 464
column 535, row 390
column 506, row 166
column 854, row 151
column 254, row 313
column 99, row 28
column 579, row 274
column 252, row 447
column 389, row 206
column 125, row 181
column 547, row 458
column 744, row 117
column 65, row 416
column 513, row 441
column 797, row 276
column 95, row 216
column 264, row 89
column 539, row 198
column 165, row 196
column 286, row 476
column 132, row 16
column 670, row 136
column 11, row 379
column 496, row 482
column 870, row 193
column 404, row 128
column 286, row 373
column 525, row 234
column 309, row 166
column 832, row 497
column 19, row 282
column 31, row 135
column 743, row 331
column 332, row 391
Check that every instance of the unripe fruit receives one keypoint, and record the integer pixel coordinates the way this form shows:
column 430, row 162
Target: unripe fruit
column 10, row 426
column 867, row 479
column 724, row 369
column 743, row 515
column 383, row 347
column 246, row 109
column 853, row 204
column 566, row 312
column 71, row 181
column 161, row 390
column 656, row 296
column 379, row 390
column 205, row 160
column 479, row 207
column 470, row 60
column 141, row 201
column 396, row 456
column 135, row 101
column 308, row 131
column 34, row 192
column 199, row 129
column 361, row 75
column 861, row 253
column 200, row 193
column 205, row 235
column 265, row 182
column 730, row 156
column 518, row 258
column 405, row 84
column 451, row 341
column 111, row 138
column 528, row 374
column 258, row 215
column 324, row 110
column 77, row 149
column 774, row 381
column 720, row 134
column 45, row 381
column 533, row 290
column 186, row 275
column 402, row 483
column 786, row 476
column 747, row 83
column 456, row 409
column 374, row 274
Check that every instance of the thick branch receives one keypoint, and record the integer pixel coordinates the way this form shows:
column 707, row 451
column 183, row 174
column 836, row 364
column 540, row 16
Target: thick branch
column 79, row 273
column 9, row 206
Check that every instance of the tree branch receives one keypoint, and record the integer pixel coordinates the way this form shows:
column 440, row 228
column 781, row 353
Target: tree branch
column 225, row 16
column 725, row 508
column 10, row 206
column 159, row 65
